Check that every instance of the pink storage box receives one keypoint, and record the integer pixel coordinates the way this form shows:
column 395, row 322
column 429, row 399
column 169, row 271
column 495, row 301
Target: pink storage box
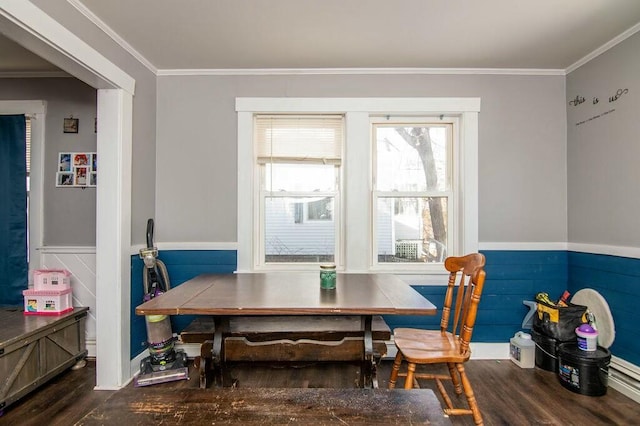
column 47, row 302
column 51, row 279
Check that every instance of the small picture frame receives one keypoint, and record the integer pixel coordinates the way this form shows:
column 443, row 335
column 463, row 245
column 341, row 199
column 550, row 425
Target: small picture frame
column 70, row 125
column 64, row 164
column 65, row 179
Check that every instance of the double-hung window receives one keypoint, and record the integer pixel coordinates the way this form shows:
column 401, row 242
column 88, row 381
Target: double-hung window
column 370, row 184
column 298, row 159
column 413, row 198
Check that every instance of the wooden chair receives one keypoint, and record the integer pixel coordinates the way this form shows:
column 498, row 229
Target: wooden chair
column 450, row 344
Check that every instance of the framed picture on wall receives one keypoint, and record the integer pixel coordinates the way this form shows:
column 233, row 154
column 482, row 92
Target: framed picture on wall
column 77, row 169
column 64, row 179
column 64, row 163
column 70, row 125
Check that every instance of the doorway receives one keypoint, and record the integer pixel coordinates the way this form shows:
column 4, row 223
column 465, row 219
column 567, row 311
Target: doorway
column 28, row 25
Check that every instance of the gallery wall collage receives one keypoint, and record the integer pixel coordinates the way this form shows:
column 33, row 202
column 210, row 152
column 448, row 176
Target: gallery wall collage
column 77, row 169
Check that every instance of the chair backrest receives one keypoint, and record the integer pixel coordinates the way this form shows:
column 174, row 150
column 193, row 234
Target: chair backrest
column 466, row 280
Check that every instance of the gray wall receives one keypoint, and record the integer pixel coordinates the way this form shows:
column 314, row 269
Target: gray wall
column 144, row 109
column 522, row 152
column 69, row 214
column 603, row 149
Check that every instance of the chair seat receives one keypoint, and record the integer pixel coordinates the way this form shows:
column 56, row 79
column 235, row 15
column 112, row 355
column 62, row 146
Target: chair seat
column 428, row 346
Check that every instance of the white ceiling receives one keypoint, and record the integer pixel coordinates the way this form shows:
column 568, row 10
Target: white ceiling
column 312, row 34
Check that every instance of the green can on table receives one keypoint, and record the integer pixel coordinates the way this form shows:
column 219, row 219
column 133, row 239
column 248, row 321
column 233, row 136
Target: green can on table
column 328, row 276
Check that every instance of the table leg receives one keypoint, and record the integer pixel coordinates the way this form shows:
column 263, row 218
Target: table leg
column 205, row 363
column 368, row 368
column 212, row 355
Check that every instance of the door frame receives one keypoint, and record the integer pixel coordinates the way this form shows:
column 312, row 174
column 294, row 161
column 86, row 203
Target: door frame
column 30, row 27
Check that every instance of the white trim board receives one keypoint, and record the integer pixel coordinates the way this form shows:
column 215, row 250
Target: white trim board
column 359, row 71
column 632, row 252
column 621, row 251
column 523, row 246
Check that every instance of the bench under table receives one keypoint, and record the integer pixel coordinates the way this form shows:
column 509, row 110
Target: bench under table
column 293, row 338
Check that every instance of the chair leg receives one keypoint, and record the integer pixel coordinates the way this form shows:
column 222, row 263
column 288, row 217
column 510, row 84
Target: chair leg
column 444, row 394
column 395, row 370
column 454, row 378
column 471, row 399
column 411, row 370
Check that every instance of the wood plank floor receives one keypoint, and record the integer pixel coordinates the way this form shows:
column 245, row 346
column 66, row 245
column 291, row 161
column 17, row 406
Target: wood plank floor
column 507, row 395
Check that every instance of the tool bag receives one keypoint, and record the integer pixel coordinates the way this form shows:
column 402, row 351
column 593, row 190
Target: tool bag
column 559, row 322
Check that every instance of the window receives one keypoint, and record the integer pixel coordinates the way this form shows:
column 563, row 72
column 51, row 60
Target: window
column 298, row 158
column 379, row 202
column 412, row 189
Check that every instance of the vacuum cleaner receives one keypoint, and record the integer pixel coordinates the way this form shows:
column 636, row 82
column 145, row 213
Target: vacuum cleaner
column 164, row 363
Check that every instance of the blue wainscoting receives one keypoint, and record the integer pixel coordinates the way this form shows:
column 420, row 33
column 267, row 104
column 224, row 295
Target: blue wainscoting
column 617, row 279
column 512, row 276
column 182, row 265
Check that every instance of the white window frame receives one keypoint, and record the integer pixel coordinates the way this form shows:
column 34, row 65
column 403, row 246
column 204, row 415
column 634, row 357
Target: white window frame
column 357, row 244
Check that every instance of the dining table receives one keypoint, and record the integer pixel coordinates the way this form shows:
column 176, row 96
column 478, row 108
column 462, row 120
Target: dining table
column 290, row 293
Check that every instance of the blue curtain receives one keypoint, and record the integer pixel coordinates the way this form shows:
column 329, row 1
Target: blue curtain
column 14, row 268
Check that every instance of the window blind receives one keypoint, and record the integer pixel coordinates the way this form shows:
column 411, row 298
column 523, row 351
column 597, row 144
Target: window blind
column 286, row 138
column 28, row 144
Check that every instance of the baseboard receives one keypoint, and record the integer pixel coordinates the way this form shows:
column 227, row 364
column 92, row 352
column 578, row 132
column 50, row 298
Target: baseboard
column 90, row 344
column 625, row 378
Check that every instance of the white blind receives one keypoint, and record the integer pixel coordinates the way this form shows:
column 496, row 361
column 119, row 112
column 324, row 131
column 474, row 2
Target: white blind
column 316, row 138
column 28, row 143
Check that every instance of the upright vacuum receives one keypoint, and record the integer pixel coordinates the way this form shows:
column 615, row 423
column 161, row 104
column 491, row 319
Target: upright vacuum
column 164, row 363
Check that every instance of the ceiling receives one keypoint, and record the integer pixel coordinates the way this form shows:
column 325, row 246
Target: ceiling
column 371, row 34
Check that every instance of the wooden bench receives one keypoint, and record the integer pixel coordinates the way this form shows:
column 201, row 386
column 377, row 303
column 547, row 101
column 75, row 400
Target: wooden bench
column 269, row 406
column 287, row 339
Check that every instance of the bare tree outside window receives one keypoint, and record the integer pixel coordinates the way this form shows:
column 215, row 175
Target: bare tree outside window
column 435, row 226
column 412, row 191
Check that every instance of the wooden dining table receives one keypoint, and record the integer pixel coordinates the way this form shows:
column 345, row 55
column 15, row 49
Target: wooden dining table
column 290, row 293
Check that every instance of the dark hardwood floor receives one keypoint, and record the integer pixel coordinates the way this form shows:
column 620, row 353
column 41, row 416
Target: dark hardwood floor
column 507, row 395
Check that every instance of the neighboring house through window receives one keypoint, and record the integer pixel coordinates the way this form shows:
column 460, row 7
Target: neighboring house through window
column 372, row 184
column 297, row 160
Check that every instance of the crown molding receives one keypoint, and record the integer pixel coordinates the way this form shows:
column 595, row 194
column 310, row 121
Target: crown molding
column 600, row 50
column 112, row 34
column 359, row 71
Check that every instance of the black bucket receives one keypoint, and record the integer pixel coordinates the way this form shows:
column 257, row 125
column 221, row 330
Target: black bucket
column 583, row 372
column 546, row 352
